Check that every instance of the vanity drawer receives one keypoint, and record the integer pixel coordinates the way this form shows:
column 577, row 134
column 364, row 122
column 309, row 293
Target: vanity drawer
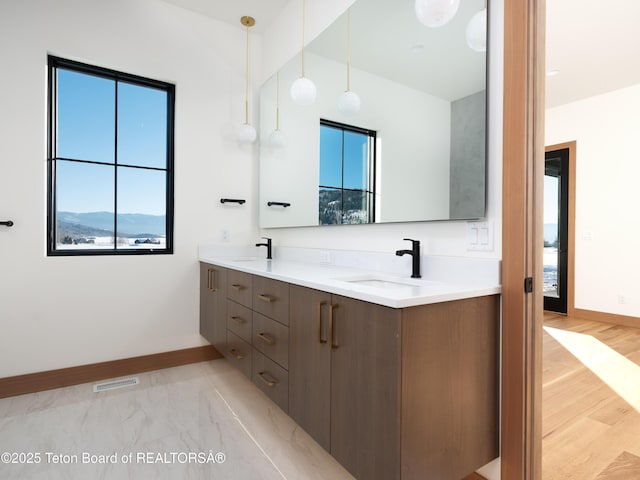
column 271, row 298
column 239, row 353
column 272, row 379
column 271, row 338
column 239, row 319
column 239, row 287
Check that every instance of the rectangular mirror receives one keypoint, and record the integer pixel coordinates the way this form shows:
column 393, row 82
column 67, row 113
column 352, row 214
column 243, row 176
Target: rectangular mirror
column 415, row 150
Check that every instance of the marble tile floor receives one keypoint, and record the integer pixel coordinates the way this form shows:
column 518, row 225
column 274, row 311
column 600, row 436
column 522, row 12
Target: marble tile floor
column 173, row 425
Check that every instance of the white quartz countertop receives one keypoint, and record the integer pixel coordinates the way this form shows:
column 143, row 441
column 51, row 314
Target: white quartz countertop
column 391, row 290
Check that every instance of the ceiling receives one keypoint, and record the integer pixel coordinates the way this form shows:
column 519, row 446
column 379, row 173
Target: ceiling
column 383, row 33
column 595, row 45
column 230, row 11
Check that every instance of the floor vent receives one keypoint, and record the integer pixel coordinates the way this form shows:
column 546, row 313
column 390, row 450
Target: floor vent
column 113, row 384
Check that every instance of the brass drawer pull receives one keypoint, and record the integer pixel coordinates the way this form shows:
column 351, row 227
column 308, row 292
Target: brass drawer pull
column 236, row 354
column 269, row 383
column 267, row 338
column 320, row 339
column 237, row 286
column 266, row 298
column 211, row 279
column 332, row 329
column 239, row 320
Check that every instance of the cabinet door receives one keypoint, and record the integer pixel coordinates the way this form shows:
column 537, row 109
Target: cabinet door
column 310, row 363
column 365, row 388
column 450, row 358
column 213, row 305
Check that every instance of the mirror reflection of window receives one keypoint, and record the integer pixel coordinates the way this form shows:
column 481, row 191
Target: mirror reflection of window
column 346, row 183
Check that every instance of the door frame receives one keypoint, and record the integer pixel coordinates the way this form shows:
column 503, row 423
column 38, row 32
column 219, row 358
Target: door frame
column 522, row 239
column 571, row 224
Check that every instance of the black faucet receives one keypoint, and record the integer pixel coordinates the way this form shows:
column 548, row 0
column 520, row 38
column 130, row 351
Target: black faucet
column 415, row 253
column 268, row 245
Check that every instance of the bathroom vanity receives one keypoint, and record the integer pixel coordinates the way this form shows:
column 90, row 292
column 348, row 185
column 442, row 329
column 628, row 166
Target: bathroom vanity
column 396, row 378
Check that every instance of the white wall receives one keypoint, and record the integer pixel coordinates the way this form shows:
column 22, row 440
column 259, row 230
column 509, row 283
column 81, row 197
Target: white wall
column 605, row 128
column 439, row 238
column 413, row 166
column 59, row 312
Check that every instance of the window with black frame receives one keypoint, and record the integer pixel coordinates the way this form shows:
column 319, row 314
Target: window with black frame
column 347, row 171
column 110, row 162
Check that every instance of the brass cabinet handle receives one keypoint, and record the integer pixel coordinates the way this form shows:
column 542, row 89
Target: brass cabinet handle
column 266, row 298
column 236, row 354
column 320, row 339
column 332, row 329
column 210, row 279
column 269, row 383
column 239, row 320
column 269, row 340
column 237, row 286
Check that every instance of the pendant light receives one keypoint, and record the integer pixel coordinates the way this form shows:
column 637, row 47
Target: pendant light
column 476, row 32
column 246, row 132
column 349, row 102
column 303, row 90
column 435, row 13
column 276, row 139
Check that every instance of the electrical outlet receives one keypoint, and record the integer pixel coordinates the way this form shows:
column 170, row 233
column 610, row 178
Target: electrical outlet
column 621, row 299
column 325, row 256
column 225, row 235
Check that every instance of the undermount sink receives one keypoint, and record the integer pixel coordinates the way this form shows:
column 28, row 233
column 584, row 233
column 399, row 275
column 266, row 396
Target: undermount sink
column 386, row 282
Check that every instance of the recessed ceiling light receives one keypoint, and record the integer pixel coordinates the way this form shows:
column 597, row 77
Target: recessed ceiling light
column 552, row 73
column 417, row 48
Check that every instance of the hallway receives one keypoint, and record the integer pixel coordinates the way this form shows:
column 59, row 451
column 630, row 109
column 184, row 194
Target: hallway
column 591, row 400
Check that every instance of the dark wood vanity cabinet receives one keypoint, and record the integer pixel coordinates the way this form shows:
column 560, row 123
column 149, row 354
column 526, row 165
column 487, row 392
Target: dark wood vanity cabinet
column 408, row 393
column 213, row 305
column 245, row 317
column 344, row 379
column 396, row 393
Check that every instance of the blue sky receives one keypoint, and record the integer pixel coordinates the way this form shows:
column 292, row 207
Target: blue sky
column 86, row 131
column 551, row 199
column 355, row 163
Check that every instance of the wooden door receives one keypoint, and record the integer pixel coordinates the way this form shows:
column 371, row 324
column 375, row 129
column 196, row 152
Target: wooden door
column 310, row 362
column 523, row 172
column 365, row 388
column 213, row 306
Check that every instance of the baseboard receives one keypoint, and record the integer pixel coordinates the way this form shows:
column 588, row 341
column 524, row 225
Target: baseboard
column 65, row 377
column 474, row 476
column 613, row 318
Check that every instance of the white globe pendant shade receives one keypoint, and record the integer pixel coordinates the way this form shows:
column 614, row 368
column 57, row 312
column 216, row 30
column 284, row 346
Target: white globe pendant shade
column 477, row 31
column 435, row 13
column 348, row 103
column 303, row 92
column 246, row 133
column 277, row 138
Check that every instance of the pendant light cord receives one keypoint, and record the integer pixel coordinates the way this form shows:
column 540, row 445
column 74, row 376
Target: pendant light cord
column 302, row 50
column 349, row 49
column 246, row 83
column 277, row 100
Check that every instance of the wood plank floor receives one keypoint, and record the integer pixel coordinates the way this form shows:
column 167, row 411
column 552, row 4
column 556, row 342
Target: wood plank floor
column 591, row 400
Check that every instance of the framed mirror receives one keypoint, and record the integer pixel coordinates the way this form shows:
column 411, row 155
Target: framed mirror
column 415, row 150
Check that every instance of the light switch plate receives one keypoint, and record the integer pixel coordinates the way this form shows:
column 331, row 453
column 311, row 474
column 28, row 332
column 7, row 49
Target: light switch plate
column 480, row 236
